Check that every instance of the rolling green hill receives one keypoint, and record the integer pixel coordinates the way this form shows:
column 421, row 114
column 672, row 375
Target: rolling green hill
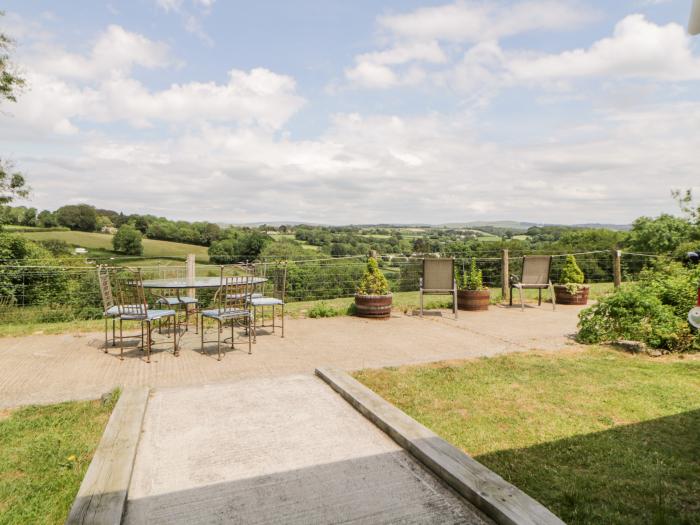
column 102, row 242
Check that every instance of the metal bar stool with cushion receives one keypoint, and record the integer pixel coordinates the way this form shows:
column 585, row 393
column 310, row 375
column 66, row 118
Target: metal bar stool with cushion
column 439, row 278
column 173, row 298
column 132, row 306
column 535, row 276
column 278, row 279
column 232, row 305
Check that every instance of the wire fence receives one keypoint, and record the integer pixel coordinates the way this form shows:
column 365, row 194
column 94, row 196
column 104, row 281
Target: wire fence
column 43, row 292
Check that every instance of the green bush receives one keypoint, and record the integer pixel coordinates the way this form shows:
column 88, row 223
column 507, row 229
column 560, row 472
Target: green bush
column 322, row 309
column 373, row 281
column 571, row 273
column 471, row 279
column 128, row 240
column 654, row 310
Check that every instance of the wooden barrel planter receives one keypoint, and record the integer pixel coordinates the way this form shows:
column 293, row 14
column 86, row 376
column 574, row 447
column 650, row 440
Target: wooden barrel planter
column 563, row 296
column 473, row 300
column 373, row 306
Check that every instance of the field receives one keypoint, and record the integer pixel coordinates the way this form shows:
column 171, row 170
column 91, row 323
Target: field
column 596, row 435
column 290, row 237
column 100, row 244
column 44, row 453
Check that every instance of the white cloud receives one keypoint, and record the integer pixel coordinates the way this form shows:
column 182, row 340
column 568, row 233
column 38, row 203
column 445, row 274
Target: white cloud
column 192, row 21
column 376, row 168
column 472, row 21
column 116, row 51
column 637, row 48
column 417, row 35
column 255, row 98
column 67, row 90
column 371, row 69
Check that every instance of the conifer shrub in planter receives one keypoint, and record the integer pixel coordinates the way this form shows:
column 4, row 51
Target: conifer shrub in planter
column 373, row 298
column 571, row 290
column 472, row 295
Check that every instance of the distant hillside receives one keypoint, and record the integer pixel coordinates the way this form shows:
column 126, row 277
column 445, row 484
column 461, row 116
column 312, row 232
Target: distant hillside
column 522, row 226
column 509, row 225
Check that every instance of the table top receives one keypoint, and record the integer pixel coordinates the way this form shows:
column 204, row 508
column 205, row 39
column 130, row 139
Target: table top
column 198, row 282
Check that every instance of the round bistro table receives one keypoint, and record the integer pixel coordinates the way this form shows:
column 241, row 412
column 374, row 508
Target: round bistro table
column 197, row 283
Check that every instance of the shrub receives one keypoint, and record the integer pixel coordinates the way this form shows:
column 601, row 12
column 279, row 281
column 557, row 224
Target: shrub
column 652, row 310
column 128, row 241
column 373, row 281
column 322, row 309
column 571, row 273
column 471, row 279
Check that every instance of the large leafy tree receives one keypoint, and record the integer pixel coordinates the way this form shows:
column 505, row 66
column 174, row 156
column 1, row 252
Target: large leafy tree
column 81, row 217
column 128, row 241
column 12, row 183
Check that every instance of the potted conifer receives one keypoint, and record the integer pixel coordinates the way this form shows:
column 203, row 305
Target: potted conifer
column 472, row 295
column 373, row 298
column 571, row 290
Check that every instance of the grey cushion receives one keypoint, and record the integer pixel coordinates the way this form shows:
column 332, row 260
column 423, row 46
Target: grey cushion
column 266, row 301
column 226, row 314
column 152, row 315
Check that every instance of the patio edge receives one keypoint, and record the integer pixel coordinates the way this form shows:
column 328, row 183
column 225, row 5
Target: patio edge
column 102, row 494
column 498, row 499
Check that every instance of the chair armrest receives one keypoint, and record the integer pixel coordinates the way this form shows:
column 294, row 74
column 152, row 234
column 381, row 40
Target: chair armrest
column 514, row 279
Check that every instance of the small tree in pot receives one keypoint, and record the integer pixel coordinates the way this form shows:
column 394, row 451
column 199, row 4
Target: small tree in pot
column 571, row 290
column 373, row 298
column 472, row 295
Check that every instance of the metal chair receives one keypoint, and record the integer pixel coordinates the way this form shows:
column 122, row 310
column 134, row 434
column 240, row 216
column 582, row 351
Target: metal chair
column 439, row 279
column 171, row 297
column 534, row 276
column 279, row 282
column 132, row 306
column 110, row 309
column 232, row 305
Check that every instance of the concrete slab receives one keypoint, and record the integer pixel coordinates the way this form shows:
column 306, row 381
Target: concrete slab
column 277, row 450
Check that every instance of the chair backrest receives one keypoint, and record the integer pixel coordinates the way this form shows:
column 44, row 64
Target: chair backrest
column 438, row 274
column 131, row 298
column 234, row 291
column 277, row 276
column 536, row 269
column 103, row 276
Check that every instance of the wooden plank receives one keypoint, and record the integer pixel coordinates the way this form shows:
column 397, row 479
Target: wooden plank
column 498, row 499
column 102, row 494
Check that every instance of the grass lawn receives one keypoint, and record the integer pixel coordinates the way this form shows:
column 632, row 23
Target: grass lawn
column 596, row 435
column 44, row 454
column 103, row 242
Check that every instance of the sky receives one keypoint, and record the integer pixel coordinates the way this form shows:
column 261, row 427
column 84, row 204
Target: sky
column 337, row 112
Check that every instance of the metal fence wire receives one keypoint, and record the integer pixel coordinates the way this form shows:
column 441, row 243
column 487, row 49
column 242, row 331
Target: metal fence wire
column 47, row 293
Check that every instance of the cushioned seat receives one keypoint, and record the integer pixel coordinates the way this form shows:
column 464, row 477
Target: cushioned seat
column 226, row 314
column 152, row 315
column 266, row 301
column 113, row 311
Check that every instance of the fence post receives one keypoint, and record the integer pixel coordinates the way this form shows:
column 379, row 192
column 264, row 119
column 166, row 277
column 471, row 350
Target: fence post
column 617, row 268
column 190, row 274
column 505, row 276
